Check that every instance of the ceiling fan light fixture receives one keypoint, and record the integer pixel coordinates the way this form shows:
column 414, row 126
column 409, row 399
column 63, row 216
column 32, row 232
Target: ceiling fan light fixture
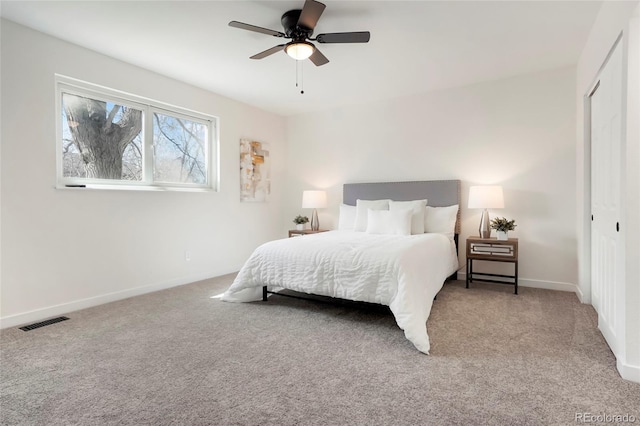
column 299, row 50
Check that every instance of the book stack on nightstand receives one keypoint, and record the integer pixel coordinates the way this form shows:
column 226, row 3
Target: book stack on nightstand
column 493, row 250
column 300, row 232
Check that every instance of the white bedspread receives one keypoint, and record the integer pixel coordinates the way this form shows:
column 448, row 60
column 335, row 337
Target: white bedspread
column 402, row 272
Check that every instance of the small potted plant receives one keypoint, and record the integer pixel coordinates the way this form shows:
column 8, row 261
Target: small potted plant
column 300, row 222
column 502, row 227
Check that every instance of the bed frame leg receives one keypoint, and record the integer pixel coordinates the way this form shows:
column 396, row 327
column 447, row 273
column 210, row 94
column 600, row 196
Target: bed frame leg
column 264, row 293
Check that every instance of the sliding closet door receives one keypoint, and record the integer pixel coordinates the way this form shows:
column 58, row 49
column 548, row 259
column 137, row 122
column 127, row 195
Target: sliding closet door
column 606, row 244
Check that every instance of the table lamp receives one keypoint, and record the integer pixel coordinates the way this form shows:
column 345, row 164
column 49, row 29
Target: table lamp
column 314, row 200
column 485, row 197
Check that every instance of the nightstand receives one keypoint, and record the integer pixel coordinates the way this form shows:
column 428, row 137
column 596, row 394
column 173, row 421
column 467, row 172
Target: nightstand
column 492, row 250
column 298, row 233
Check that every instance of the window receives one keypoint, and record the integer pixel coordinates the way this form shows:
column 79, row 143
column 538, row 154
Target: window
column 108, row 139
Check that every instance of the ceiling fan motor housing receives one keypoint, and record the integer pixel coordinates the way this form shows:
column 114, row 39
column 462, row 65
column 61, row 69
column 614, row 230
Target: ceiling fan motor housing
column 290, row 24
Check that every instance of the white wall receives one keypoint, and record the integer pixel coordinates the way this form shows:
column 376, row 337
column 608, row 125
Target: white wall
column 518, row 132
column 614, row 18
column 67, row 249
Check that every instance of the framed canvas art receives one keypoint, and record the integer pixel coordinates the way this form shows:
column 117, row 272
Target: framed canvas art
column 255, row 171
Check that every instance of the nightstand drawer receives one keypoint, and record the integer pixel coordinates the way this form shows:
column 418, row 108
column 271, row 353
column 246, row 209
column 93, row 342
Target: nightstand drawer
column 508, row 251
column 492, row 249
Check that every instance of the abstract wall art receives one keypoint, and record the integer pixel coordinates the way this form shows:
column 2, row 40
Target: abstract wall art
column 255, row 171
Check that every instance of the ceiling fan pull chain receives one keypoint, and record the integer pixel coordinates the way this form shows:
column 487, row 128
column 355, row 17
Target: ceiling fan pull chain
column 301, row 77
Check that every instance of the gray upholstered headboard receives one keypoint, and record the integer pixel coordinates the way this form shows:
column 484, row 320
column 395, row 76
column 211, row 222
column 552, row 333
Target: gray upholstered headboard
column 439, row 193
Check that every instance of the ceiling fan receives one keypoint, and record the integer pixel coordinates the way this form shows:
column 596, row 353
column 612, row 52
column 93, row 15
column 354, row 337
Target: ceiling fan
column 298, row 26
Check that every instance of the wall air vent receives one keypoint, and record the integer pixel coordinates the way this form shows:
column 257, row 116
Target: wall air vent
column 43, row 323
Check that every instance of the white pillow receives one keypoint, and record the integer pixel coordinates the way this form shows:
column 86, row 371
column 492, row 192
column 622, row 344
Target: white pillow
column 396, row 222
column 347, row 217
column 441, row 220
column 362, row 206
column 417, row 210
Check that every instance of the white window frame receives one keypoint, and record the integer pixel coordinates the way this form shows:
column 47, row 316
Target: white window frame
column 68, row 85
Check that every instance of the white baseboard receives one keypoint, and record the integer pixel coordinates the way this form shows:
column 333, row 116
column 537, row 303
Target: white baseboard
column 628, row 372
column 64, row 308
column 527, row 282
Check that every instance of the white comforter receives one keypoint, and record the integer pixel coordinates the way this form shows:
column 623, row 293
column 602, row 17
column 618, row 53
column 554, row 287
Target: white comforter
column 403, row 272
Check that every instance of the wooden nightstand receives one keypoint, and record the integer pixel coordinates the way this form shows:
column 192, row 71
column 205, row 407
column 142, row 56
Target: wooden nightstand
column 298, row 233
column 492, row 250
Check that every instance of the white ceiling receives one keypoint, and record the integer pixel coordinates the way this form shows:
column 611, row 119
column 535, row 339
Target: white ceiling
column 416, row 46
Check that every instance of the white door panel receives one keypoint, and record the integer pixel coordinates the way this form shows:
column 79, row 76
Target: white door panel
column 606, row 133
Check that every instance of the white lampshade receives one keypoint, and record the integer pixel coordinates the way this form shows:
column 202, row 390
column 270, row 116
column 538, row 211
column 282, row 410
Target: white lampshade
column 486, row 197
column 299, row 50
column 314, row 199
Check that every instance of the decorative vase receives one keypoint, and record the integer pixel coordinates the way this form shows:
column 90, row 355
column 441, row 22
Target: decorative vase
column 502, row 235
column 300, row 226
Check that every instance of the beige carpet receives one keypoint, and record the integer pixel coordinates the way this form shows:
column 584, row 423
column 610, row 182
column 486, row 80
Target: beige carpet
column 179, row 357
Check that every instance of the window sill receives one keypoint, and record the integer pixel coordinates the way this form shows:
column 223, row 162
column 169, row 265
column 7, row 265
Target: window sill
column 151, row 188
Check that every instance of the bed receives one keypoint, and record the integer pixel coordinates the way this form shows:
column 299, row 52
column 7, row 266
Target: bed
column 377, row 262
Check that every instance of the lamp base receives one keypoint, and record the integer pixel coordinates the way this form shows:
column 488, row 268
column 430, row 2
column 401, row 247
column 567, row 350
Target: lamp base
column 485, row 225
column 315, row 224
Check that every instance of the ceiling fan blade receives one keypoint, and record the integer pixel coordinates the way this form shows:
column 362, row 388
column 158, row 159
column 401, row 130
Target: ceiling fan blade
column 354, row 37
column 310, row 14
column 249, row 27
column 318, row 58
column 268, row 52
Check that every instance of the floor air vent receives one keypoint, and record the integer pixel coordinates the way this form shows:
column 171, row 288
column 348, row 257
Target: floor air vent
column 43, row 323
